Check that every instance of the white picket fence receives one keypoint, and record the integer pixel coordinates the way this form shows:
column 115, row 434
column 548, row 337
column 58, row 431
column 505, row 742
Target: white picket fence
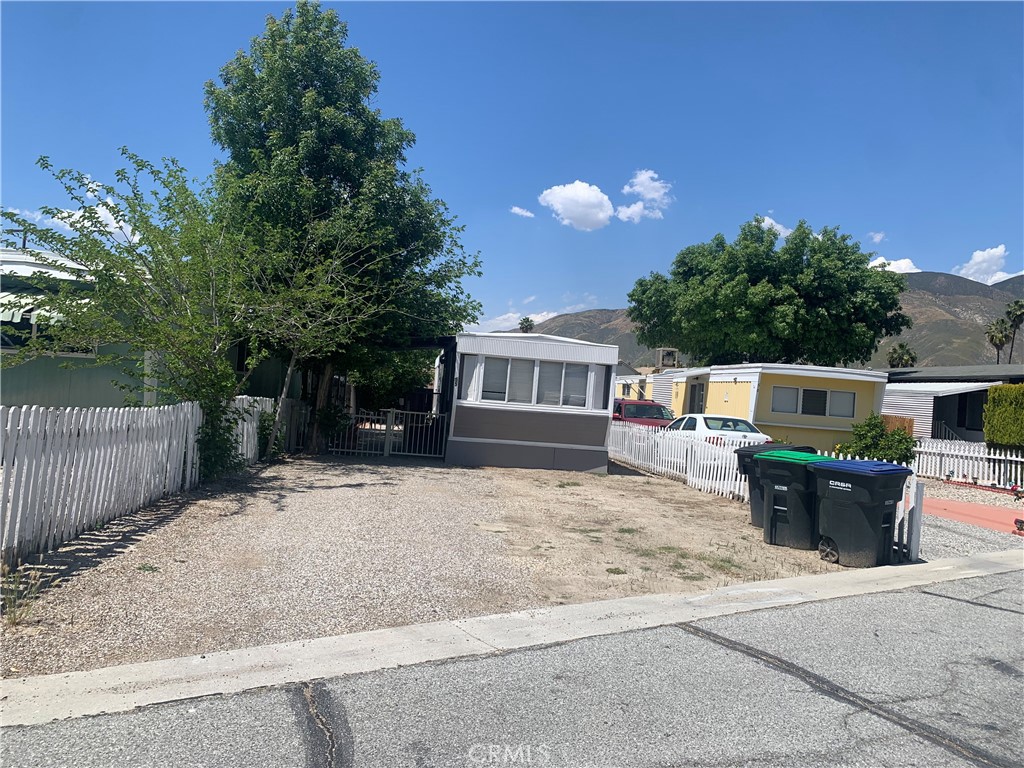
column 714, row 468
column 65, row 470
column 969, row 462
column 247, row 428
column 708, row 467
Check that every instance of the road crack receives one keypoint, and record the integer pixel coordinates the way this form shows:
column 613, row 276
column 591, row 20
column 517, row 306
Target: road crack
column 950, row 743
column 329, row 741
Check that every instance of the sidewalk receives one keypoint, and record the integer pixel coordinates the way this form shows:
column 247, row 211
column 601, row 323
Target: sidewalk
column 983, row 515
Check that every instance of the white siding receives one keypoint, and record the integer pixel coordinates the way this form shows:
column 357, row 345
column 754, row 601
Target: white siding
column 537, row 347
column 914, row 405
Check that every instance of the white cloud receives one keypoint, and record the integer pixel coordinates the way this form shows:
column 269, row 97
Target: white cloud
column 633, row 213
column 528, row 299
column 521, row 212
column 653, row 195
column 509, row 321
column 769, row 223
column 645, row 183
column 986, row 266
column 578, row 205
column 876, row 237
column 897, row 265
column 107, row 220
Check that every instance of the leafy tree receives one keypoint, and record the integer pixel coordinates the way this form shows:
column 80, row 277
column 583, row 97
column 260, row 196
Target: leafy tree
column 316, row 181
column 154, row 284
column 813, row 300
column 901, row 356
column 998, row 334
column 526, row 325
column 871, row 440
column 1015, row 317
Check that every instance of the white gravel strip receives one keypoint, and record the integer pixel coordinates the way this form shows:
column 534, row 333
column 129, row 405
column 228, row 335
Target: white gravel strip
column 941, row 538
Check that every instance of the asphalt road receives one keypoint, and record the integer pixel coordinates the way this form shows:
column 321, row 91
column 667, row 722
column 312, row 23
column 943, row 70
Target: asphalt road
column 926, row 676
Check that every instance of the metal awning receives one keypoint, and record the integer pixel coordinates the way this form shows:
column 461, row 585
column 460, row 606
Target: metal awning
column 937, row 388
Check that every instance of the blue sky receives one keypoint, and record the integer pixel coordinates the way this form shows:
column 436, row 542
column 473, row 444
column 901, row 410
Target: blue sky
column 625, row 131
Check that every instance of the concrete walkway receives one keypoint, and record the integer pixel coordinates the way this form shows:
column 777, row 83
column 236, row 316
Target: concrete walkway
column 983, row 515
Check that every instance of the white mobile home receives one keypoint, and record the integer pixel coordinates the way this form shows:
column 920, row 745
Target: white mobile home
column 531, row 400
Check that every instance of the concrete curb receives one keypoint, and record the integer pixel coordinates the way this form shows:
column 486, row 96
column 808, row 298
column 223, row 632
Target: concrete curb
column 40, row 699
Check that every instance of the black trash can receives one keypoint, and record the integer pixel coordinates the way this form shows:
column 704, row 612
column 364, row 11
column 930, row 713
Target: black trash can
column 789, row 503
column 857, row 510
column 747, row 466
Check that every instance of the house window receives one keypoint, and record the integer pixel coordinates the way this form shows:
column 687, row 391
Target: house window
column 549, row 384
column 495, row 379
column 841, row 404
column 574, row 385
column 467, row 364
column 814, row 402
column 785, row 399
column 520, row 381
column 532, row 382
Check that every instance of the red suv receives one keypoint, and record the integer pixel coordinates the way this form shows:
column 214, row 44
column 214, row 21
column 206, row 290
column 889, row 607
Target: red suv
column 646, row 412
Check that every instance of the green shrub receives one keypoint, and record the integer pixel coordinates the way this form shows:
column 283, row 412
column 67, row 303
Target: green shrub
column 1004, row 416
column 263, row 430
column 871, row 440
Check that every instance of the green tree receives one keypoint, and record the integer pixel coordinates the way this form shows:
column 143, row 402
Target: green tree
column 871, row 440
column 813, row 300
column 901, row 356
column 1015, row 317
column 154, row 285
column 316, row 180
column 526, row 325
column 998, row 334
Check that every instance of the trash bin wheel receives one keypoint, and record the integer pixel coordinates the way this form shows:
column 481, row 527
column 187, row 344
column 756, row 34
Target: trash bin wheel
column 828, row 551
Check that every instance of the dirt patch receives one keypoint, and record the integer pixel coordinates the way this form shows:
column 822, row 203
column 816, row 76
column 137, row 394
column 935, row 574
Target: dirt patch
column 592, row 537
column 310, row 548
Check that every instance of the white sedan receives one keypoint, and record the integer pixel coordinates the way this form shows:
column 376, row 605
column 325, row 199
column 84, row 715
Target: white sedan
column 717, row 429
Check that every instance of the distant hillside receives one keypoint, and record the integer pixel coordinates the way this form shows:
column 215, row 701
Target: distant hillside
column 602, row 326
column 949, row 314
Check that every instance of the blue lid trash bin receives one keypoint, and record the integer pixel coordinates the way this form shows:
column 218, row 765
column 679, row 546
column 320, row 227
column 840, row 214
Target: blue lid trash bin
column 857, row 510
column 790, row 508
column 747, row 466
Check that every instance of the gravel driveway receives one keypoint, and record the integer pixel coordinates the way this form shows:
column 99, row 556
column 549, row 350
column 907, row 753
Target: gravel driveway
column 318, row 547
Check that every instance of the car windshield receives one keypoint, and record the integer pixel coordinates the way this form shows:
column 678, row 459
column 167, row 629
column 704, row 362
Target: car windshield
column 729, row 425
column 647, row 411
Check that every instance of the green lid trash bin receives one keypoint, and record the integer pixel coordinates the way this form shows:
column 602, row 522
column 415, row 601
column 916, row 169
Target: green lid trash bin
column 755, row 491
column 789, row 502
column 857, row 510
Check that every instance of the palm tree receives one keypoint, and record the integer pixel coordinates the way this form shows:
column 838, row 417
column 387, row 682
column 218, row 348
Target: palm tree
column 525, row 325
column 1015, row 317
column 998, row 333
column 902, row 356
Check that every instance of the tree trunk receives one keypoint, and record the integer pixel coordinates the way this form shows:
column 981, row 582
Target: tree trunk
column 280, row 403
column 322, row 391
column 1013, row 338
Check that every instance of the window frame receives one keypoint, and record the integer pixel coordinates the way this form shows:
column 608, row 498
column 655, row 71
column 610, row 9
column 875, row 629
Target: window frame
column 829, row 406
column 471, row 383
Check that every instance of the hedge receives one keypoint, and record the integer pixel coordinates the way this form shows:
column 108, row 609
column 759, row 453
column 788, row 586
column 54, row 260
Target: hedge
column 1004, row 416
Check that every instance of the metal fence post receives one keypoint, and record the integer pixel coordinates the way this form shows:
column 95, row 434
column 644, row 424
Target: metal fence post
column 388, row 427
column 914, row 523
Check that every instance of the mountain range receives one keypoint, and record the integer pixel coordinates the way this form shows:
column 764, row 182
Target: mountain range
column 949, row 313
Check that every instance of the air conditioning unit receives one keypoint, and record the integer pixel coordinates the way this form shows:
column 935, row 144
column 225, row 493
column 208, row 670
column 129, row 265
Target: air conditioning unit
column 665, row 357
